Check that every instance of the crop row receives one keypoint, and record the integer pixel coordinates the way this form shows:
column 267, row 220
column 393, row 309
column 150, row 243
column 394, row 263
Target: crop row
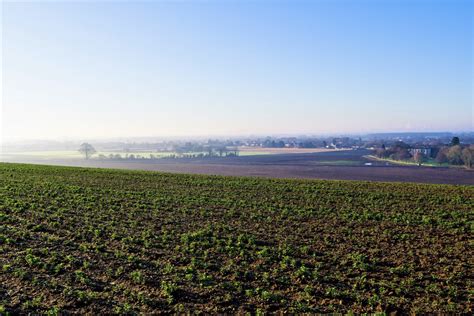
column 92, row 240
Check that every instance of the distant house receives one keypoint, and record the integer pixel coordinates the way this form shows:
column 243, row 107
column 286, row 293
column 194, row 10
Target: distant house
column 426, row 151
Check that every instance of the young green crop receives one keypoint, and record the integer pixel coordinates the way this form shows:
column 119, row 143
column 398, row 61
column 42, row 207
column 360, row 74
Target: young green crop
column 91, row 241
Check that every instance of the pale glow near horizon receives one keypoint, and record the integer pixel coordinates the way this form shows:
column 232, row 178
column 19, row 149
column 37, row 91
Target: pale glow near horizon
column 98, row 70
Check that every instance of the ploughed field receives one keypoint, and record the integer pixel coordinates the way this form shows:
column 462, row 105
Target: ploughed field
column 108, row 241
column 332, row 165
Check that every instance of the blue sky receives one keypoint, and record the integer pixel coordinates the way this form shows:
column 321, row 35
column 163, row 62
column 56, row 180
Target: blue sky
column 188, row 68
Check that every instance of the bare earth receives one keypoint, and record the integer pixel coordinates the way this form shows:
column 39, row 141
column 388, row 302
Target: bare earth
column 334, row 165
column 284, row 150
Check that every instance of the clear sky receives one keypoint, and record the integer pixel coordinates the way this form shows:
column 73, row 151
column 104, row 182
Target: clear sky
column 162, row 68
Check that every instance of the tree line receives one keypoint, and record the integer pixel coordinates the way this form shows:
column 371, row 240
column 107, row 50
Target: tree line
column 186, row 151
column 454, row 153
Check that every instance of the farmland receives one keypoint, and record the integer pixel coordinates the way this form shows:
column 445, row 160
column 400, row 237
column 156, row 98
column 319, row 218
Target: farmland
column 74, row 155
column 109, row 241
column 337, row 165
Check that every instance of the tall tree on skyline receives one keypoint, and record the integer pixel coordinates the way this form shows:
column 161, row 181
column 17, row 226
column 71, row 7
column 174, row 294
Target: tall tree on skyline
column 87, row 150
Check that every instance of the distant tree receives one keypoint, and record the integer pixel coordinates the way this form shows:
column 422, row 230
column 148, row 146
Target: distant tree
column 381, row 153
column 419, row 158
column 454, row 155
column 307, row 144
column 401, row 154
column 401, row 145
column 455, row 141
column 180, row 150
column 210, row 151
column 232, row 151
column 222, row 150
column 467, row 156
column 441, row 156
column 87, row 150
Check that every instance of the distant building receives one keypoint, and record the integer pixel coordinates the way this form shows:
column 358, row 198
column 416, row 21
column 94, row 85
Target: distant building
column 426, row 151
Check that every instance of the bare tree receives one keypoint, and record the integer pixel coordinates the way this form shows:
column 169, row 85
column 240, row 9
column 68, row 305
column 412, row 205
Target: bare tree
column 401, row 154
column 381, row 152
column 441, row 156
column 454, row 155
column 87, row 150
column 419, row 158
column 235, row 151
column 467, row 156
column 222, row 150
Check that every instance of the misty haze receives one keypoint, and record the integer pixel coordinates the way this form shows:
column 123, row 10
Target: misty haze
column 236, row 157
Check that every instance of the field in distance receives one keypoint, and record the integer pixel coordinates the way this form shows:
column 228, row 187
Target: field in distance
column 104, row 241
column 246, row 150
column 331, row 165
column 39, row 155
